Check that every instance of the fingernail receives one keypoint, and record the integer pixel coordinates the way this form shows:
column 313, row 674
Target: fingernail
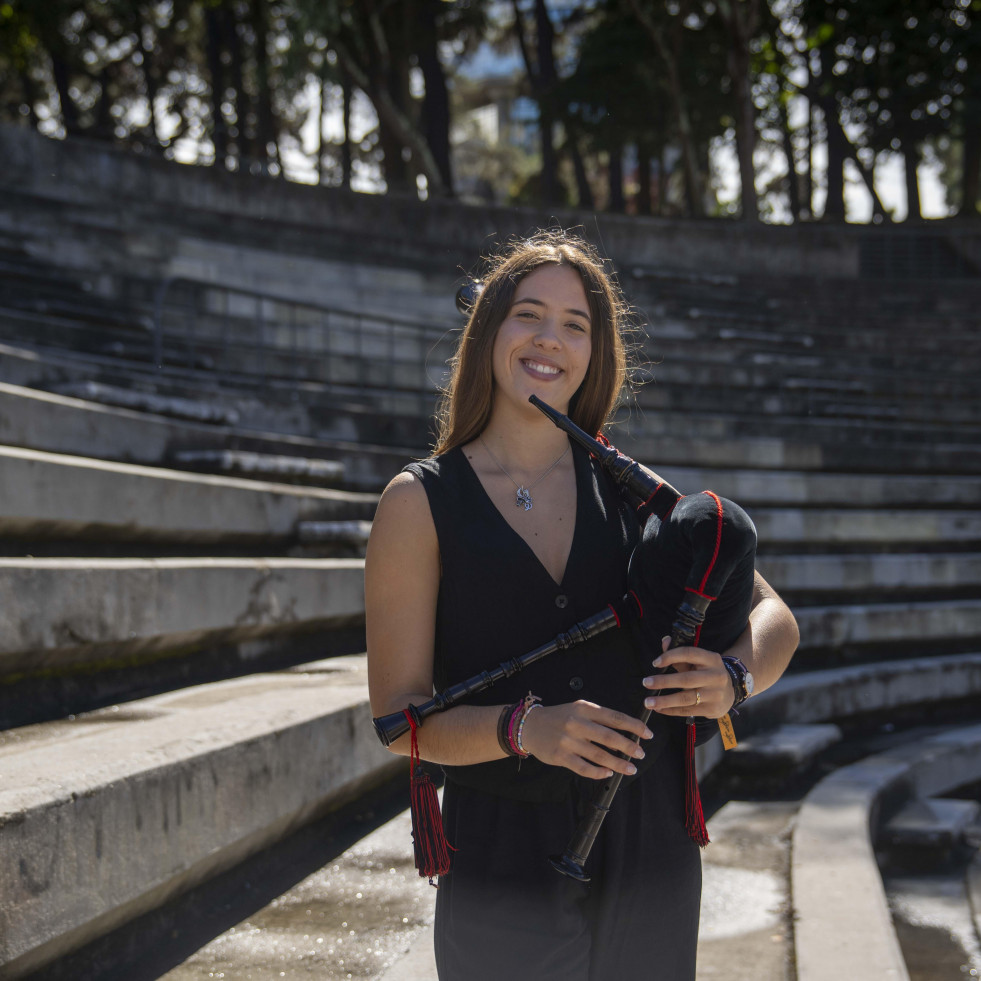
column 657, row 662
column 631, row 769
column 649, row 682
column 648, row 734
column 650, row 703
column 638, row 753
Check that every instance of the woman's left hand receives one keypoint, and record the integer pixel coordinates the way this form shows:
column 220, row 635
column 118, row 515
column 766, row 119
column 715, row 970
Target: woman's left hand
column 703, row 683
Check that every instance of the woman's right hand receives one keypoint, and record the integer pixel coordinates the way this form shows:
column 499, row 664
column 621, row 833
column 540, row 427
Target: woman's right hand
column 581, row 735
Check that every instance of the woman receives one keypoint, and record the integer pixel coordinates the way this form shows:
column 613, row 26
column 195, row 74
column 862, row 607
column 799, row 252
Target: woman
column 502, row 539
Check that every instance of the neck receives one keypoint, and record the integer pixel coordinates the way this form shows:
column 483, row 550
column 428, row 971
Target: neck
column 528, row 444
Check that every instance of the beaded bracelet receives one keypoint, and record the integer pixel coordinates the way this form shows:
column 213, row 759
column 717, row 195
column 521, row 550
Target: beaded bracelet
column 521, row 727
column 503, row 722
column 516, row 725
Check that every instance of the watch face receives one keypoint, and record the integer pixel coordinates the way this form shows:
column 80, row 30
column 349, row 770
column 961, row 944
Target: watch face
column 748, row 682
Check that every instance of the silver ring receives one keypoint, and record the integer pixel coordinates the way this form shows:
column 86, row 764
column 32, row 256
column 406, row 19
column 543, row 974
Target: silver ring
column 698, row 697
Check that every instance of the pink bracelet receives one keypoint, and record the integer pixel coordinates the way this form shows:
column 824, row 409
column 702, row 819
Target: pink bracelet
column 521, row 727
column 517, row 724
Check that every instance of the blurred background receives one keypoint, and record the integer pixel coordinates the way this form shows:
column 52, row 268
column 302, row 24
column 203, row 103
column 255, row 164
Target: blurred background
column 231, row 234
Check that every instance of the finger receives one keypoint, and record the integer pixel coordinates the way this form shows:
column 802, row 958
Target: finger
column 622, row 722
column 686, row 655
column 691, row 701
column 608, row 761
column 695, row 678
column 610, row 739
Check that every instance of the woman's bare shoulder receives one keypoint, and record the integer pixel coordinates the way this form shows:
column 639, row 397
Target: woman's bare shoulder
column 403, row 513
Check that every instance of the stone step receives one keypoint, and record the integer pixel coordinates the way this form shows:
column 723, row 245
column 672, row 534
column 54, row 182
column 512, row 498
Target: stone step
column 333, row 532
column 164, row 405
column 789, row 747
column 849, row 628
column 264, row 466
column 837, row 436
column 871, row 574
column 393, row 417
column 896, row 687
column 929, row 824
column 59, row 424
column 835, row 882
column 901, row 528
column 806, row 489
column 54, row 496
column 713, row 446
column 64, row 616
column 108, row 815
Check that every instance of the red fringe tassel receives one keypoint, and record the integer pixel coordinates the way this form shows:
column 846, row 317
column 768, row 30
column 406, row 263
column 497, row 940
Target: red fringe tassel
column 694, row 817
column 432, row 850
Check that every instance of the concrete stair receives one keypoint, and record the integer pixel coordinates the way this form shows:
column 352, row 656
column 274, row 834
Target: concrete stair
column 175, row 624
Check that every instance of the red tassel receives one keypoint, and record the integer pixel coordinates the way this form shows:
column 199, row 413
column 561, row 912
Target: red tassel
column 694, row 817
column 432, row 850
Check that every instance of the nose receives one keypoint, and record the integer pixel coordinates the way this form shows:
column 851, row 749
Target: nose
column 547, row 335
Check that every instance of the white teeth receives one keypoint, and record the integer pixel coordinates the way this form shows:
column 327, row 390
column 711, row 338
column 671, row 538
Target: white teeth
column 541, row 369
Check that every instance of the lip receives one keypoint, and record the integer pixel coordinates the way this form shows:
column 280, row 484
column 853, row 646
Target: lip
column 532, row 366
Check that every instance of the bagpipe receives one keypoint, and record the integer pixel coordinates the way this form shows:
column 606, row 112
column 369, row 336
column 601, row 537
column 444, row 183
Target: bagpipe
column 689, row 577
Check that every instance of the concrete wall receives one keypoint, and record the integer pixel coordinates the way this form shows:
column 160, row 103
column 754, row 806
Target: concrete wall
column 420, row 231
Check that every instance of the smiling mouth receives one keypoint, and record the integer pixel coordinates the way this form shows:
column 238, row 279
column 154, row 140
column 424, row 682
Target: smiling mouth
column 541, row 370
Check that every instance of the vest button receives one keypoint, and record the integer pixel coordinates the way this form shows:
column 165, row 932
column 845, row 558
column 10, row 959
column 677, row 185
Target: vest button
column 575, row 683
column 561, row 601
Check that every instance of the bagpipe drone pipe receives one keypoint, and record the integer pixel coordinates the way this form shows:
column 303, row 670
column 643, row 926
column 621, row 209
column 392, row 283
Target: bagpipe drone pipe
column 690, row 577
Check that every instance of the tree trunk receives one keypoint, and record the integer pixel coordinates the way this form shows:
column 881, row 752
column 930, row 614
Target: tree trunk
column 643, row 180
column 793, row 182
column 266, row 130
column 545, row 91
column 241, row 103
column 392, row 118
column 436, row 105
column 679, row 107
column 911, row 160
column 834, row 205
column 69, row 111
column 346, row 154
column 617, row 202
column 219, row 127
column 809, row 161
column 740, row 22
column 971, row 170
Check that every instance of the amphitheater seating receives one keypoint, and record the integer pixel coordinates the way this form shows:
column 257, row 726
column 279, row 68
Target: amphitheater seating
column 183, row 617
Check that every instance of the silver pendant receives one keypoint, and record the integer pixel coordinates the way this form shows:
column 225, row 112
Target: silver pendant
column 523, row 499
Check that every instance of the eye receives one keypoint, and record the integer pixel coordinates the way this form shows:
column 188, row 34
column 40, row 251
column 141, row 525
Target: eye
column 575, row 325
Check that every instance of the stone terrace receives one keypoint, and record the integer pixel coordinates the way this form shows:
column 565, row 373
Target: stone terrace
column 185, row 499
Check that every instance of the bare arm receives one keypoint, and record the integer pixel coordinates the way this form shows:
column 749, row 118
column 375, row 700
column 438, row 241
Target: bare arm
column 402, row 572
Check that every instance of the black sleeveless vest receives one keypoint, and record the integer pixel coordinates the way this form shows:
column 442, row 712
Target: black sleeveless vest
column 496, row 601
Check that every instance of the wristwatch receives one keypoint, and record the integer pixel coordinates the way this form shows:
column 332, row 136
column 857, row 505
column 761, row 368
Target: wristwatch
column 741, row 677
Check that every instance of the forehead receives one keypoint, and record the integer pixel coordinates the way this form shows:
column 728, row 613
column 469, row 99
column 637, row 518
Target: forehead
column 558, row 284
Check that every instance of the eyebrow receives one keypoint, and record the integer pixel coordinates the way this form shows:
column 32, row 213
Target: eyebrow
column 540, row 303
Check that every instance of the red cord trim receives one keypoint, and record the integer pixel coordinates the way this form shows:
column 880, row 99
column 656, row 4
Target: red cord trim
column 640, row 606
column 609, row 606
column 689, row 589
column 718, row 536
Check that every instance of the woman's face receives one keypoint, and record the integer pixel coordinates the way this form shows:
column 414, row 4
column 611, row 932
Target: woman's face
column 544, row 344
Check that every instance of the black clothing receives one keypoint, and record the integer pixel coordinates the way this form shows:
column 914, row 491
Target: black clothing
column 502, row 908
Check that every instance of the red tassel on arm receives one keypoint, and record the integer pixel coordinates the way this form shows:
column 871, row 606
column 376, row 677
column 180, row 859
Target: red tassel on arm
column 694, row 817
column 432, row 850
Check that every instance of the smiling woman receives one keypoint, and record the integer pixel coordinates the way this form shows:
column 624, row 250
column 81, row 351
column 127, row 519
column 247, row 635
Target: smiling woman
column 503, row 539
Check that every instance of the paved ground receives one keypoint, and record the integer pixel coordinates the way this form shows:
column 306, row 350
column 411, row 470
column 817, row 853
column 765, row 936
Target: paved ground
column 368, row 916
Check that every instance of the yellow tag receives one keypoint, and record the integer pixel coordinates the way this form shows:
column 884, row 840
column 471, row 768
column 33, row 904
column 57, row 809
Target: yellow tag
column 728, row 735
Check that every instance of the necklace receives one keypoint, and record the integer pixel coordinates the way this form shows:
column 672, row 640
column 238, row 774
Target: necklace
column 522, row 499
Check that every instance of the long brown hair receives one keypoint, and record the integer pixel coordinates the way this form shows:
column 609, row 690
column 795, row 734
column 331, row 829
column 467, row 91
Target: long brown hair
column 466, row 403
